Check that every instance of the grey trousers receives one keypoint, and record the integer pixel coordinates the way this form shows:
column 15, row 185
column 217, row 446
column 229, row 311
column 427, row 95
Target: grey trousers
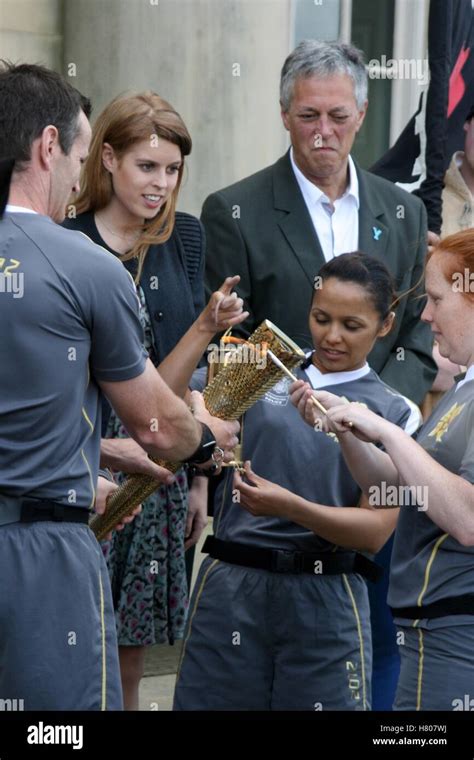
column 437, row 668
column 258, row 640
column 58, row 646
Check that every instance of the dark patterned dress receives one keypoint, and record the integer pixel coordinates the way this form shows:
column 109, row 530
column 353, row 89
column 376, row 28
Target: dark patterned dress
column 146, row 560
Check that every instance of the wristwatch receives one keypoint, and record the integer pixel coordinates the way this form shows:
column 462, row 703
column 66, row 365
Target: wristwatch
column 207, row 449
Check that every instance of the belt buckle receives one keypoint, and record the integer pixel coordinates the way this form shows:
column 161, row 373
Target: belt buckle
column 284, row 561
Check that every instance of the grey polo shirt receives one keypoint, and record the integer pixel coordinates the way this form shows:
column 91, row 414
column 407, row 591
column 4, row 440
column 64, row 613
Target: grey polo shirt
column 427, row 563
column 69, row 318
column 287, row 451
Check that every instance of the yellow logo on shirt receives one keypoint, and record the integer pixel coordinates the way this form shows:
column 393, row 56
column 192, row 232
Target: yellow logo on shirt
column 13, row 264
column 440, row 429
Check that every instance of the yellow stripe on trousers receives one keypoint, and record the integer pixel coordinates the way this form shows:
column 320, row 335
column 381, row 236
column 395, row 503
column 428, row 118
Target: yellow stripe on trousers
column 361, row 638
column 200, row 590
column 421, row 654
column 103, row 705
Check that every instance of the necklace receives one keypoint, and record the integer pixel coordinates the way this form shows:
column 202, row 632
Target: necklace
column 116, row 234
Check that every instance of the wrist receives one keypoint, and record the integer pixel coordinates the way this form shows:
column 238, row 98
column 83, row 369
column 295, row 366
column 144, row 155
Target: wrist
column 107, row 453
column 106, row 474
column 285, row 504
column 298, row 507
column 201, row 327
column 391, row 436
column 207, row 449
column 199, row 486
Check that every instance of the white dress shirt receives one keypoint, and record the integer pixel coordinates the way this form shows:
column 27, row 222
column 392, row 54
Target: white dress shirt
column 336, row 223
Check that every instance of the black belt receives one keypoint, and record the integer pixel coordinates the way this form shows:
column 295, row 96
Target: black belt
column 283, row 561
column 39, row 510
column 453, row 605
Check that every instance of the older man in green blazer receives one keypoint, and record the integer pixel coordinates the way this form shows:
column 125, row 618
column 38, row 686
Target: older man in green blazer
column 277, row 227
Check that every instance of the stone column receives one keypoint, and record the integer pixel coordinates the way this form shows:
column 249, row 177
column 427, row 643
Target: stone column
column 217, row 61
column 31, row 31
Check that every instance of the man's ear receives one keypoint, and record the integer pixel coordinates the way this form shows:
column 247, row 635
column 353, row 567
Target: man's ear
column 284, row 117
column 48, row 145
column 108, row 157
column 361, row 115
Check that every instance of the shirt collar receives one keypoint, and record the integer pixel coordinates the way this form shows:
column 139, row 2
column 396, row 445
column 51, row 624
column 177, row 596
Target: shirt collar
column 319, row 379
column 10, row 209
column 467, row 377
column 313, row 194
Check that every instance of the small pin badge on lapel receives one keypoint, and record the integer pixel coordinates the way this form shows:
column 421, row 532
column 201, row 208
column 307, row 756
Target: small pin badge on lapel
column 376, row 232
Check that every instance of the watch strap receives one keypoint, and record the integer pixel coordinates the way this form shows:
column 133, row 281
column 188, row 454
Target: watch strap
column 205, row 449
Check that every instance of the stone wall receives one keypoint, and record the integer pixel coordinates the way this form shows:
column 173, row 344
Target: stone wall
column 31, row 31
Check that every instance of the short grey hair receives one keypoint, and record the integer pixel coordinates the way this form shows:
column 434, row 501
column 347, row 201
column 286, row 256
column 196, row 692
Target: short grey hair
column 323, row 59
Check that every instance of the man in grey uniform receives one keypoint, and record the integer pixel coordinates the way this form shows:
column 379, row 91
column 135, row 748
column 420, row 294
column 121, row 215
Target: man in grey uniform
column 70, row 326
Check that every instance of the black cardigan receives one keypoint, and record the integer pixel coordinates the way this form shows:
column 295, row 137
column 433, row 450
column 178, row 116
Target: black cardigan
column 177, row 266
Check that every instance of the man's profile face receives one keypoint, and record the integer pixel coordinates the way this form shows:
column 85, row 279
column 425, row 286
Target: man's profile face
column 67, row 169
column 323, row 120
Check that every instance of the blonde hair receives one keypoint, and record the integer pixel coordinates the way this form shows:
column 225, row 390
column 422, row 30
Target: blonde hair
column 126, row 120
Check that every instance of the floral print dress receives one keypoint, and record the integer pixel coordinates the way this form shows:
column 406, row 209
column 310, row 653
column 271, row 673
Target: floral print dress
column 146, row 560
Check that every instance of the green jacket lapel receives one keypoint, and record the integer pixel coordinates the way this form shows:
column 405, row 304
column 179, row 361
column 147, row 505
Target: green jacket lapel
column 373, row 232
